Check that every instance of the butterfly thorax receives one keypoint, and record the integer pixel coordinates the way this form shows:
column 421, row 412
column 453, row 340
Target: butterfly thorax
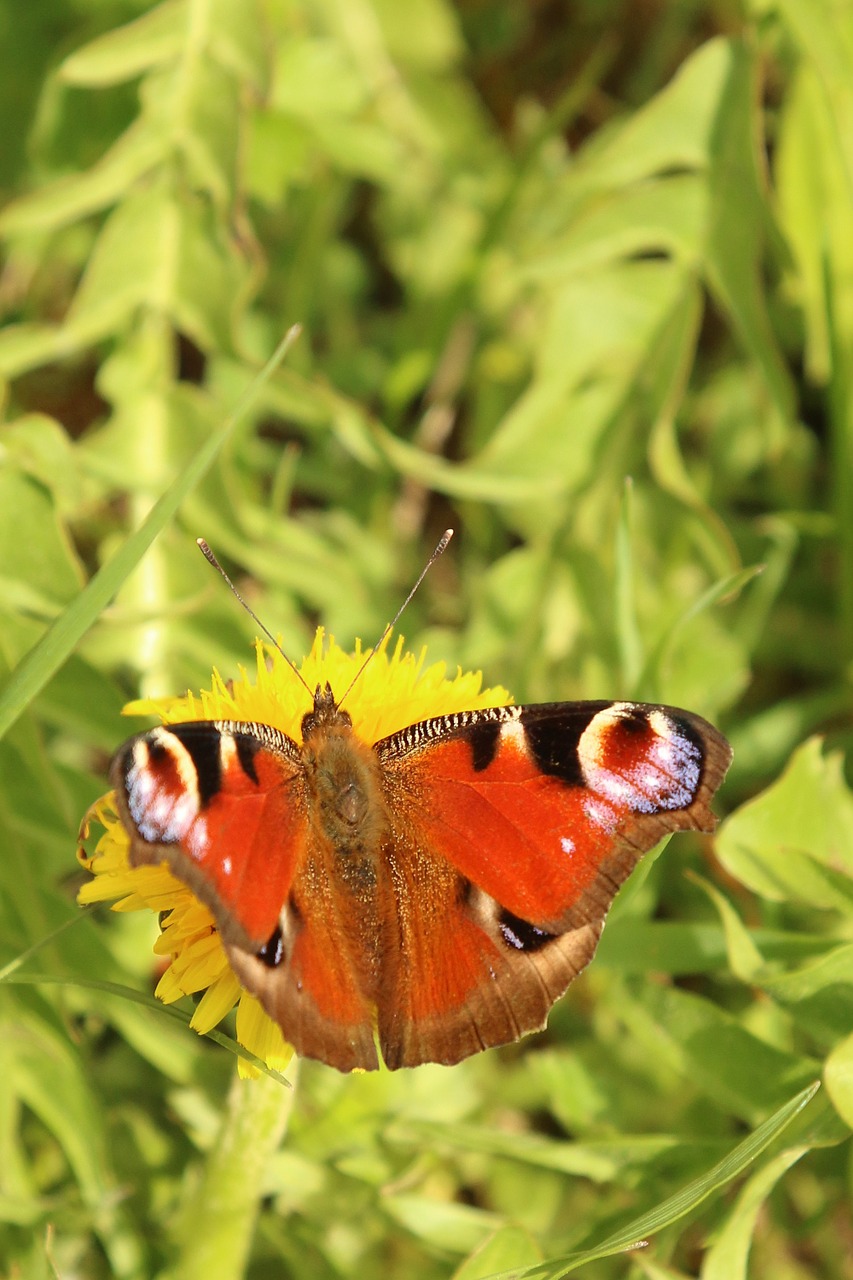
column 344, row 781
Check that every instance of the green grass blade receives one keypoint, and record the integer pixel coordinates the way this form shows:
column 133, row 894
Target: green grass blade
column 146, row 1001
column 688, row 1198
column 60, row 639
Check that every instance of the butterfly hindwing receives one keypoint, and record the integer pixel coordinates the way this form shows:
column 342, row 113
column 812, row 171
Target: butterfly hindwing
column 459, row 981
column 310, row 977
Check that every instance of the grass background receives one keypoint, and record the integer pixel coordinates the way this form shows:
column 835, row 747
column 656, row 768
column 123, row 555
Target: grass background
column 536, row 250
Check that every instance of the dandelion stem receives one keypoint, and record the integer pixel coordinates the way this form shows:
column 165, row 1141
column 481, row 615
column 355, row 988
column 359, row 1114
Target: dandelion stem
column 217, row 1221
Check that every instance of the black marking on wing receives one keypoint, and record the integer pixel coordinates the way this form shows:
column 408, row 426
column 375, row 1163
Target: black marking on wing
column 247, row 748
column 203, row 745
column 634, row 719
column 553, row 732
column 520, row 935
column 484, row 737
column 123, row 761
column 464, row 891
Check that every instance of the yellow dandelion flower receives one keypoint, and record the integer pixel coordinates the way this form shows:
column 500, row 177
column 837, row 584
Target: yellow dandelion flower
column 394, row 690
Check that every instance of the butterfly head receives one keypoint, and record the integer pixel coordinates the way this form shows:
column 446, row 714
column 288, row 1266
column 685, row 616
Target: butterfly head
column 326, row 714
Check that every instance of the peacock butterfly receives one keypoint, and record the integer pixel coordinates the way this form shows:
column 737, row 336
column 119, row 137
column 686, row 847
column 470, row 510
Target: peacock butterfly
column 436, row 890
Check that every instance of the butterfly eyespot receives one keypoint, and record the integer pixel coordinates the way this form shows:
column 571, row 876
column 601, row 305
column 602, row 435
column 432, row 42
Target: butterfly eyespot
column 520, row 935
column 272, row 952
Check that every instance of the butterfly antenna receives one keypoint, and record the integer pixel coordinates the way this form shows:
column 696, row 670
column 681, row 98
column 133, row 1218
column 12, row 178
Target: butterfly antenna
column 211, row 559
column 439, row 550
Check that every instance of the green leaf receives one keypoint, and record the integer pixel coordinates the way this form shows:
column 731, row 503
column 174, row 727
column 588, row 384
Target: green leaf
column 825, row 33
column 594, row 346
column 156, row 250
column 676, row 947
column 456, row 1227
column 48, row 1078
column 744, row 955
column 728, row 1256
column 628, row 633
column 600, row 1161
column 654, row 676
column 739, row 1071
column 737, row 223
column 668, row 216
column 64, row 202
column 316, row 77
column 675, row 130
column 838, row 1077
column 155, row 38
column 686, row 1200
column 207, row 139
column 34, row 545
column 818, row 993
column 794, row 842
column 507, row 1250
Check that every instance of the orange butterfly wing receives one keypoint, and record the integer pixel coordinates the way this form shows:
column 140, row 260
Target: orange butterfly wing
column 204, row 796
column 225, row 804
column 512, row 830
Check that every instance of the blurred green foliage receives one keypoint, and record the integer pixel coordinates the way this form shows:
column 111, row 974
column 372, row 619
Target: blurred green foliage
column 576, row 279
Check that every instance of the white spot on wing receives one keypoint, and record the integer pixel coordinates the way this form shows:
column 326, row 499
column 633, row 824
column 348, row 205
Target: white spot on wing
column 227, row 749
column 599, row 813
column 512, row 733
column 567, row 845
column 195, row 840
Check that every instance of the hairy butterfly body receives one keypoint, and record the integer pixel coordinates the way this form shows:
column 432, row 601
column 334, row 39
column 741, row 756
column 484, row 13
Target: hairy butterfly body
column 437, row 890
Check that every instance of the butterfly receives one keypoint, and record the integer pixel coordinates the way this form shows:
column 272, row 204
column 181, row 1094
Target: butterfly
column 435, row 891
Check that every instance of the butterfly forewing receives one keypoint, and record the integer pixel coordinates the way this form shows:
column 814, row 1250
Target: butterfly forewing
column 547, row 808
column 224, row 804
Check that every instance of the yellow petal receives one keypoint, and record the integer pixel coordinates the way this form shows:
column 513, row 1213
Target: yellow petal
column 257, row 1032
